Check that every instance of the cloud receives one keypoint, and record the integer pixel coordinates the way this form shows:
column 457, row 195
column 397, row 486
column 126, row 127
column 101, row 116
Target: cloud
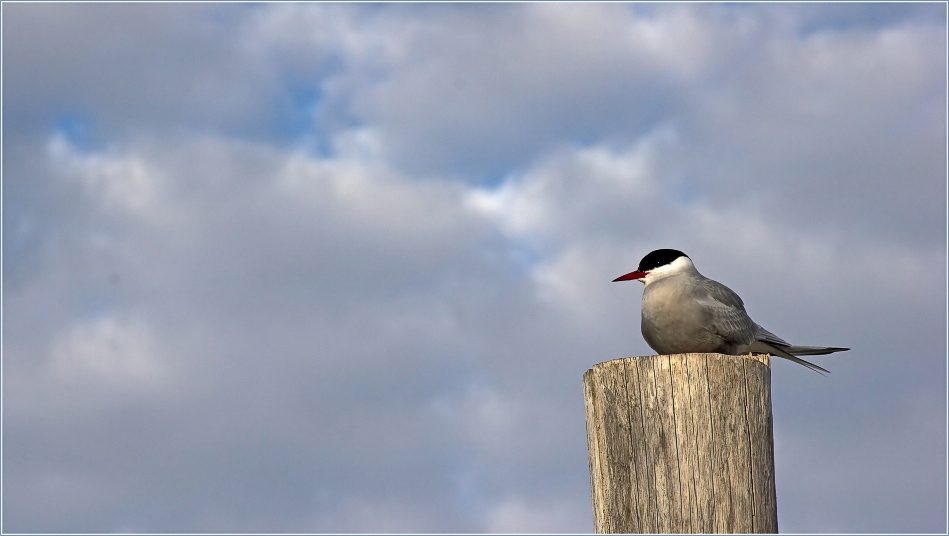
column 128, row 66
column 517, row 515
column 340, row 267
column 509, row 84
column 256, row 294
column 105, row 352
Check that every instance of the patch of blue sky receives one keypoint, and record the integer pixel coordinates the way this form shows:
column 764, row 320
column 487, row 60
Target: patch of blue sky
column 584, row 140
column 524, row 254
column 303, row 116
column 79, row 131
column 866, row 16
column 643, row 9
column 483, row 170
column 101, row 301
column 295, row 117
column 514, row 257
column 492, row 178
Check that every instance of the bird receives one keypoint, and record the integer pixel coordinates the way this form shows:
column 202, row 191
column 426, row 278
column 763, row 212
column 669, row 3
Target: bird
column 686, row 312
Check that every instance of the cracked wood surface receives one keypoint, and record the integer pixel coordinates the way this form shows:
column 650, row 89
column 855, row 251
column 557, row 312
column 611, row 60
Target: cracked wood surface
column 681, row 444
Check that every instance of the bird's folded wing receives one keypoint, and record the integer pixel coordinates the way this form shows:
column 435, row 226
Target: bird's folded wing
column 771, row 338
column 726, row 313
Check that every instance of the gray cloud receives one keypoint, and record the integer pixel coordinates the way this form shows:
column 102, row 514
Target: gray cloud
column 375, row 316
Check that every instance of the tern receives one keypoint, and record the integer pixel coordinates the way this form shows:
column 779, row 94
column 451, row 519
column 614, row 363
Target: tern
column 686, row 312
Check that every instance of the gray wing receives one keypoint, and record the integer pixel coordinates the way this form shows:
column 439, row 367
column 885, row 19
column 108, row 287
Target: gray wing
column 726, row 315
column 771, row 343
column 770, row 338
column 727, row 318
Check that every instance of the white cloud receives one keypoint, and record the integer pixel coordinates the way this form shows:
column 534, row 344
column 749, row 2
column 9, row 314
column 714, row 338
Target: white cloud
column 119, row 182
column 520, row 515
column 375, row 316
column 110, row 355
column 570, row 188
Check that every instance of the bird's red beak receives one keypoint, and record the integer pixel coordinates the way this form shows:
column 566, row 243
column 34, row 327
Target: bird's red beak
column 630, row 276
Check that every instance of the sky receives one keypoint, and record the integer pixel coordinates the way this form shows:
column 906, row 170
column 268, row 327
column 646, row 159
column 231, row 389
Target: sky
column 284, row 267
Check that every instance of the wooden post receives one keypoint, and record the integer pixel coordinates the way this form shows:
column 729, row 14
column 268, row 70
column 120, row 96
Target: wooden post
column 681, row 444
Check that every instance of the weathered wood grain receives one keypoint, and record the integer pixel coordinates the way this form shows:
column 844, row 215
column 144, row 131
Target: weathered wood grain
column 645, row 489
column 663, row 440
column 681, row 444
column 685, row 434
column 762, row 448
column 613, row 439
column 697, row 378
column 595, row 448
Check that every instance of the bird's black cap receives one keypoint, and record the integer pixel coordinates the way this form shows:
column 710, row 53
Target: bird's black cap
column 660, row 257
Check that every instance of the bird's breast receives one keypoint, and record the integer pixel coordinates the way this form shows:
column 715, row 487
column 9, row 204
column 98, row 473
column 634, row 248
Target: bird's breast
column 673, row 321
